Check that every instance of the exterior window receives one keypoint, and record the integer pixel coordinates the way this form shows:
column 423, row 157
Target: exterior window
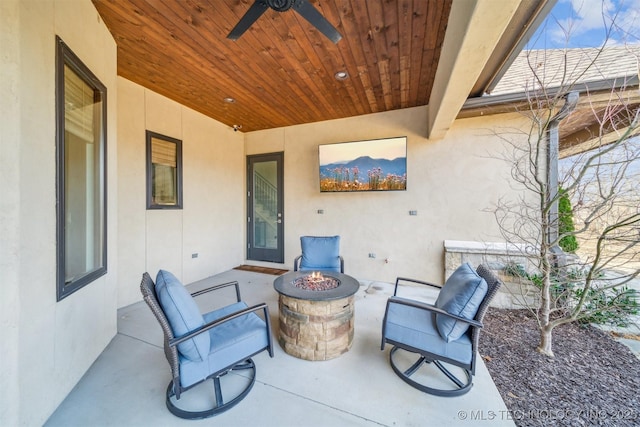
column 164, row 172
column 81, row 115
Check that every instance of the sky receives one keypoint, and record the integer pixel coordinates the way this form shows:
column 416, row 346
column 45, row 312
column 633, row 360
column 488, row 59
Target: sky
column 585, row 23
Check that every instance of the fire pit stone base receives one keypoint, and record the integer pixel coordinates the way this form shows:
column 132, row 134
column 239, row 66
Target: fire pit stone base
column 316, row 330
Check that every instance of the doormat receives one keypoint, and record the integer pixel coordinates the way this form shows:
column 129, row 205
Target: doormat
column 264, row 270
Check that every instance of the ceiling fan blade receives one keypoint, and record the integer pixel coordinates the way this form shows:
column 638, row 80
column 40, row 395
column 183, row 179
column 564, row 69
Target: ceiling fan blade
column 311, row 14
column 255, row 11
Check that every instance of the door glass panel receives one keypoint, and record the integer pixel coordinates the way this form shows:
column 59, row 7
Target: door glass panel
column 265, row 205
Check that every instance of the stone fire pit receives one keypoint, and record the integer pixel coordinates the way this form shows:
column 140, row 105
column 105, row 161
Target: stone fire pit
column 316, row 282
column 316, row 313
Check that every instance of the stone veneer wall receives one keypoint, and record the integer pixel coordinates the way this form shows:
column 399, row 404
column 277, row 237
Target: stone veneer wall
column 496, row 256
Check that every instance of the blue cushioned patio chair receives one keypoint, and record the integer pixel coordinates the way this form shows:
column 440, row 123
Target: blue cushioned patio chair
column 319, row 253
column 202, row 347
column 446, row 332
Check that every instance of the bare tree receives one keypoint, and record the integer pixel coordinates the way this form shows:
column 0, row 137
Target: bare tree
column 602, row 181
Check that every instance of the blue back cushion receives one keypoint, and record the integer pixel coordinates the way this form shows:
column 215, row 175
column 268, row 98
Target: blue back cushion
column 461, row 295
column 183, row 315
column 321, row 253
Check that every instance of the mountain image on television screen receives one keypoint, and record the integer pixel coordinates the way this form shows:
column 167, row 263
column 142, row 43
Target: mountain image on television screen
column 377, row 165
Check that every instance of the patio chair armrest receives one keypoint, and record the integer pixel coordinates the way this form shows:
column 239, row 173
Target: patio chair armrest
column 218, row 287
column 227, row 318
column 432, row 308
column 420, row 282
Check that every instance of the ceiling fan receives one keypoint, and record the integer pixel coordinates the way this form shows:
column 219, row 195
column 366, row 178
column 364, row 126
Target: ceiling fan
column 303, row 7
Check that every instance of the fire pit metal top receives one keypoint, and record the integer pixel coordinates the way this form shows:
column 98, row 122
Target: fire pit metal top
column 286, row 285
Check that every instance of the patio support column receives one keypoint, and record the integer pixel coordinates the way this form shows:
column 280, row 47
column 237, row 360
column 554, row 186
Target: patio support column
column 473, row 30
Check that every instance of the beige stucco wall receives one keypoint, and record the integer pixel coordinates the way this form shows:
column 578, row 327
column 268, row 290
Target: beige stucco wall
column 450, row 182
column 211, row 221
column 10, row 132
column 47, row 345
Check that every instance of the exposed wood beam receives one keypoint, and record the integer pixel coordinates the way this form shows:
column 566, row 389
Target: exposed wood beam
column 474, row 29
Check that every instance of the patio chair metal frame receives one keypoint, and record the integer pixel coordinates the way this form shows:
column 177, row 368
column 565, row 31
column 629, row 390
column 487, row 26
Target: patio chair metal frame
column 175, row 389
column 424, row 356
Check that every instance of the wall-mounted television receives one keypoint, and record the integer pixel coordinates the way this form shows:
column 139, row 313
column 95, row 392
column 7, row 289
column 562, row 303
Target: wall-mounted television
column 371, row 165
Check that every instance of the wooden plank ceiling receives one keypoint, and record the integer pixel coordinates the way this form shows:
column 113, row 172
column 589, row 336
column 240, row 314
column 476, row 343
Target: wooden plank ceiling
column 281, row 71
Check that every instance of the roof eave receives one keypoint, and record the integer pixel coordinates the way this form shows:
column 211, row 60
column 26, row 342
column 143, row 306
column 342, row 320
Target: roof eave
column 511, row 102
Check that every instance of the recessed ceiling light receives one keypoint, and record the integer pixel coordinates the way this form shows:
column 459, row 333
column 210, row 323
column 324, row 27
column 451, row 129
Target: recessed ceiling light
column 341, row 75
column 229, row 100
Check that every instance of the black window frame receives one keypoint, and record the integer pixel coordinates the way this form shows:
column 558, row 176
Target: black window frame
column 150, row 135
column 65, row 56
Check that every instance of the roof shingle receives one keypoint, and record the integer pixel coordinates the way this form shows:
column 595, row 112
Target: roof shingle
column 558, row 67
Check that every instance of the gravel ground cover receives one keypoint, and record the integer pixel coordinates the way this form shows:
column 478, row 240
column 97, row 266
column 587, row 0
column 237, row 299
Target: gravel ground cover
column 593, row 380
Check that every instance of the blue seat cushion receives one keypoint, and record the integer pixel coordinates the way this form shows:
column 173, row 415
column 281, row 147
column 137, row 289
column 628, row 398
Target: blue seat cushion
column 416, row 327
column 320, row 253
column 461, row 295
column 231, row 342
column 183, row 315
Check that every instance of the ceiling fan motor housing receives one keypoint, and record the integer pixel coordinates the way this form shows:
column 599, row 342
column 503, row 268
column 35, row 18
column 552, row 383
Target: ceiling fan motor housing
column 303, row 7
column 281, row 5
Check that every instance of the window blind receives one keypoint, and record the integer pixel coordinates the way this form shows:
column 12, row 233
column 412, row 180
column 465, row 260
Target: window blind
column 163, row 152
column 79, row 105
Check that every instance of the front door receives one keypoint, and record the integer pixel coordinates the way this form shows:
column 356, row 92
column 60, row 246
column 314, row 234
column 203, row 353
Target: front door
column 265, row 221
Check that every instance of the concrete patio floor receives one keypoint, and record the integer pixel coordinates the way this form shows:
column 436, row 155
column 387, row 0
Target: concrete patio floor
column 126, row 385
